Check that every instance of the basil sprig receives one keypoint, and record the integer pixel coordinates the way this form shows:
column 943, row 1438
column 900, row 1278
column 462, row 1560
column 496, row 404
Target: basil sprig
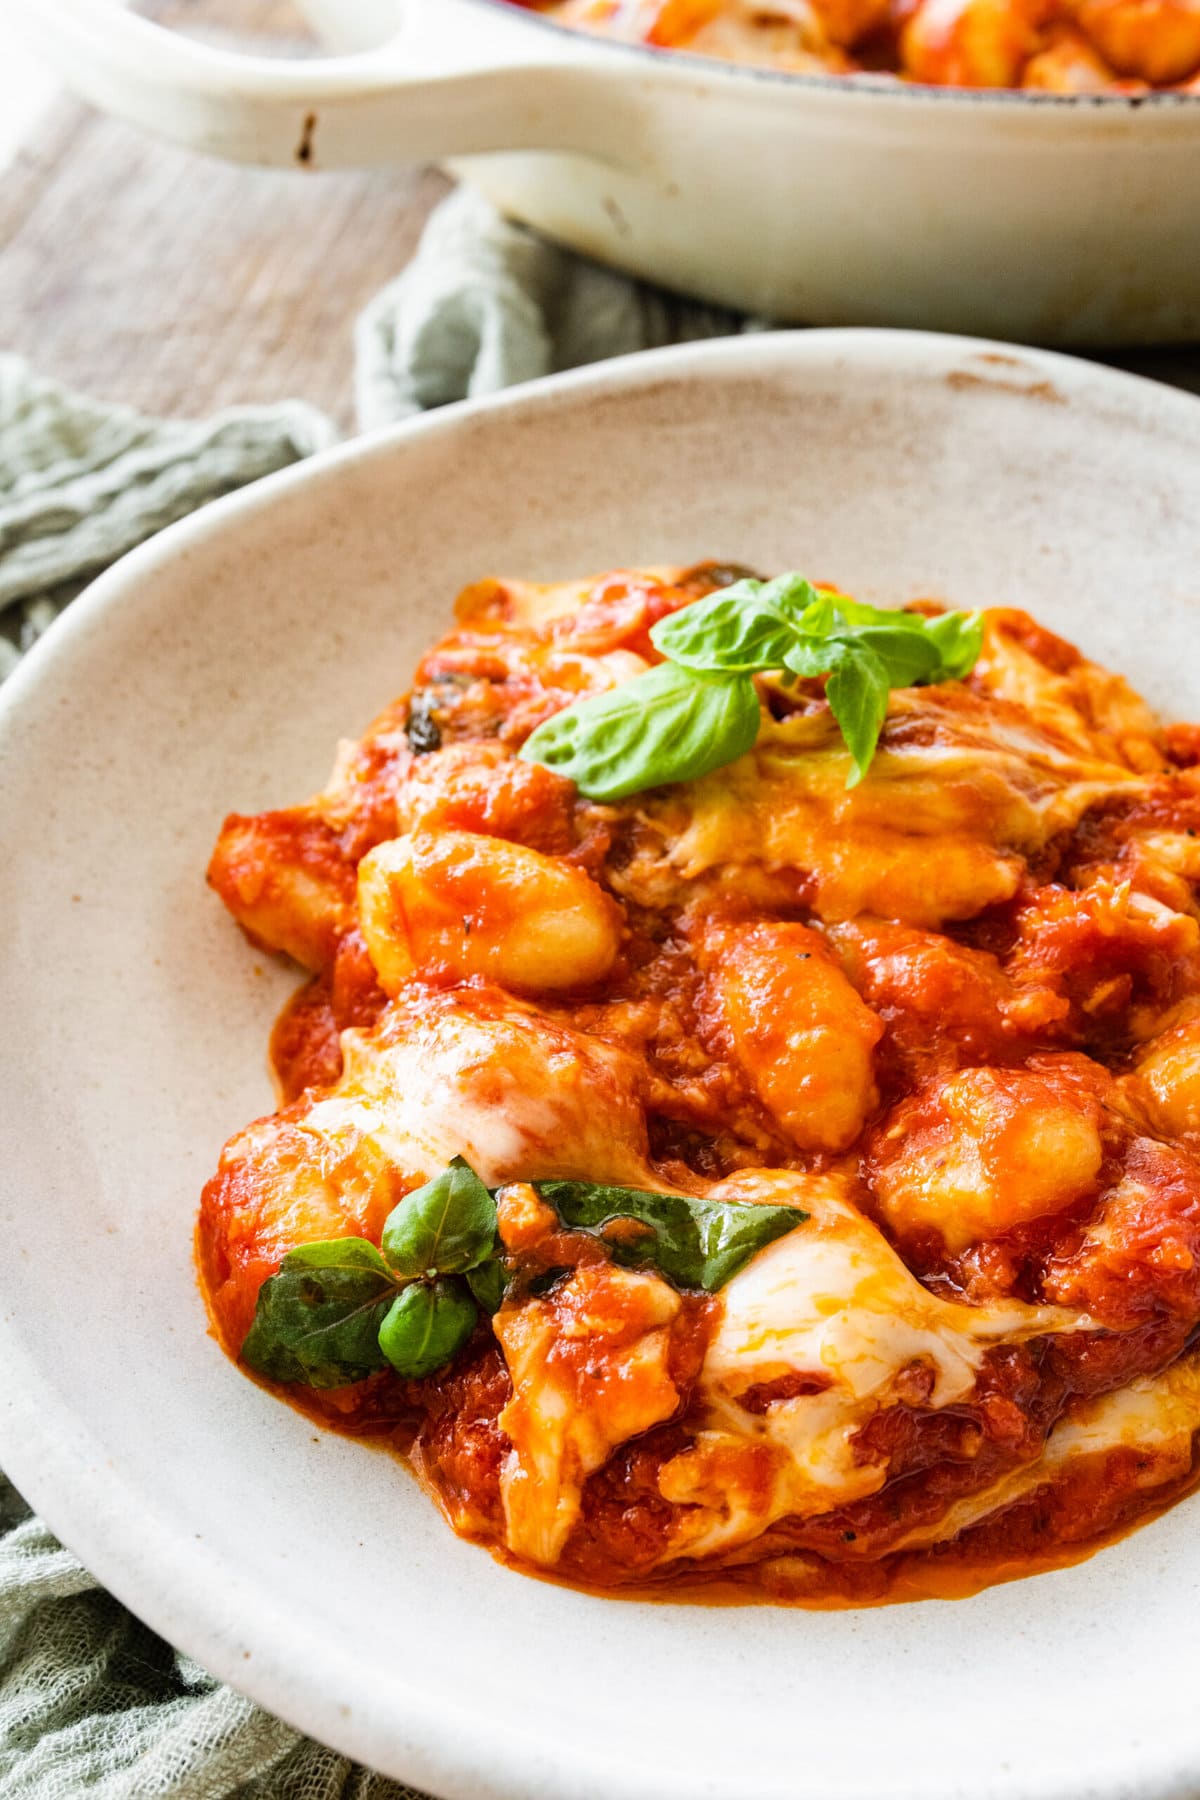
column 337, row 1312
column 699, row 710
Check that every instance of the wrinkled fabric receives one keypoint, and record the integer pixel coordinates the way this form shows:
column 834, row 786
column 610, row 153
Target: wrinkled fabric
column 82, row 481
column 94, row 1706
column 485, row 304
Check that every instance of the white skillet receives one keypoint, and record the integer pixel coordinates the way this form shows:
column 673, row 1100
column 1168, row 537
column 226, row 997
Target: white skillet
column 817, row 199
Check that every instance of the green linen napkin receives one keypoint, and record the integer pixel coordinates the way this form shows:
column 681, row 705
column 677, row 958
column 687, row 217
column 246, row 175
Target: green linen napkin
column 485, row 304
column 81, row 482
column 93, row 1706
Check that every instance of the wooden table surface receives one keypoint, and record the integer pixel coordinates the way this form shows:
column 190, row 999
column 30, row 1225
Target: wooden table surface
column 179, row 283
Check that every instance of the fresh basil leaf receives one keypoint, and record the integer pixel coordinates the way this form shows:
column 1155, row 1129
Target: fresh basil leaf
column 959, row 638
column 821, row 618
column 670, row 724
column 337, row 1253
column 856, row 614
column 488, row 1283
column 787, row 595
column 815, row 656
column 728, row 630
column 317, row 1321
column 857, row 693
column 907, row 656
column 442, row 1228
column 694, row 1243
column 426, row 1325
column 792, row 595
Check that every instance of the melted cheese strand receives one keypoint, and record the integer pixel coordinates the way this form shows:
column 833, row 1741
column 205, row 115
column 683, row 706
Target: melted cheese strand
column 834, row 1303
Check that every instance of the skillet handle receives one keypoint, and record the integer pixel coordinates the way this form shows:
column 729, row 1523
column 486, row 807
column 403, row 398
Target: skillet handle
column 350, row 111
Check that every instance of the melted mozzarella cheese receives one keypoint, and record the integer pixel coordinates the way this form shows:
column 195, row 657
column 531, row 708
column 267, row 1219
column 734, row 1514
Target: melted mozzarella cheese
column 833, row 1302
column 479, row 1075
column 589, row 1369
column 1085, row 705
column 958, row 796
column 1157, row 1415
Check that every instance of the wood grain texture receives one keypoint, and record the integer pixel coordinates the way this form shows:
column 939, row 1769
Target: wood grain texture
column 179, row 283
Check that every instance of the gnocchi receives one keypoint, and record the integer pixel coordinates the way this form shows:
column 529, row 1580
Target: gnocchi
column 452, row 905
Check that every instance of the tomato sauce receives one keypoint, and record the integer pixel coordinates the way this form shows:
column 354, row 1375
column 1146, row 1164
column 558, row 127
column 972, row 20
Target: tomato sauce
column 1008, row 1098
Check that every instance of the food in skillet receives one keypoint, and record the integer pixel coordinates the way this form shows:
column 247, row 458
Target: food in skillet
column 744, row 1120
column 1057, row 46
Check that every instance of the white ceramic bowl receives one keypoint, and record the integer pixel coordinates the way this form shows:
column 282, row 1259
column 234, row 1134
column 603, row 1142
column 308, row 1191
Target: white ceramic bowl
column 814, row 198
column 215, row 668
